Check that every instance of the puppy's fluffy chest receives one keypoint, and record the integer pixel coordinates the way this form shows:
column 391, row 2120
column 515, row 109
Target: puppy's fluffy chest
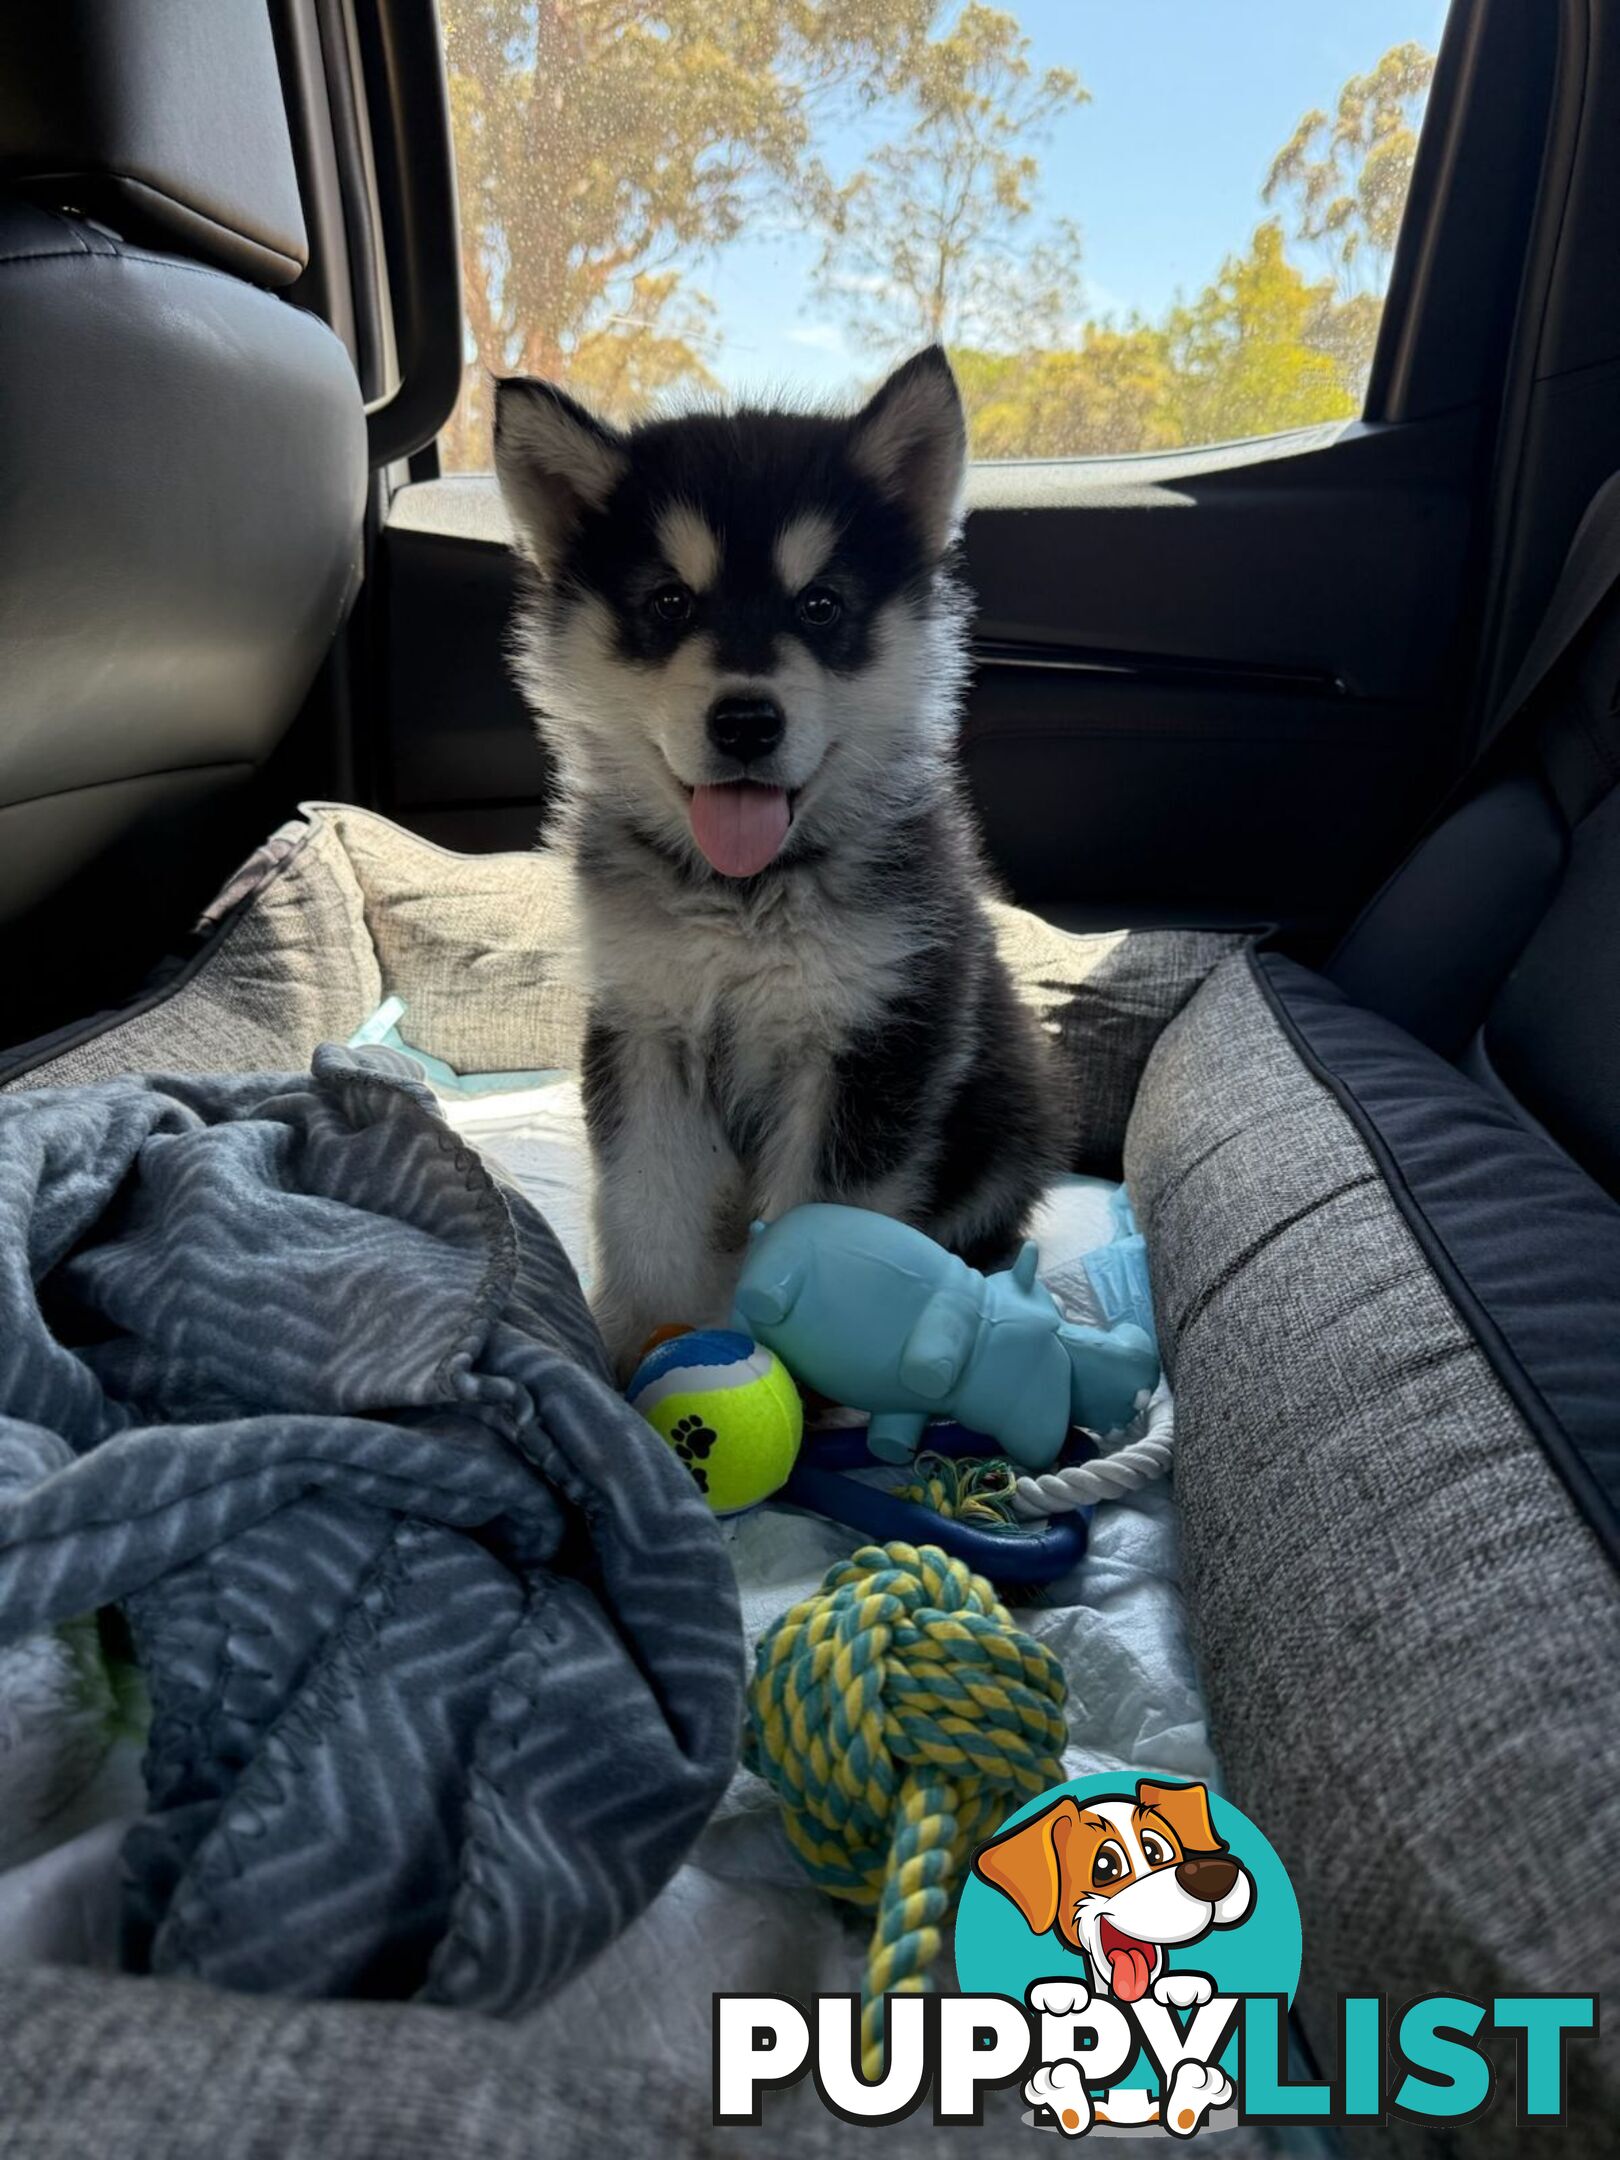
column 789, row 974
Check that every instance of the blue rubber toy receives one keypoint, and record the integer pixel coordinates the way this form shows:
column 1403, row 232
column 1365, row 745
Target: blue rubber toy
column 1035, row 1552
column 875, row 1315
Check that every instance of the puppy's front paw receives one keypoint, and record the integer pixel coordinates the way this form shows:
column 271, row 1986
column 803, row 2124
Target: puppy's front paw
column 1059, row 1998
column 1183, row 1990
column 1061, row 2086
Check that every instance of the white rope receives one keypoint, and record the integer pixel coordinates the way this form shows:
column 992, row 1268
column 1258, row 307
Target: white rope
column 1136, row 1463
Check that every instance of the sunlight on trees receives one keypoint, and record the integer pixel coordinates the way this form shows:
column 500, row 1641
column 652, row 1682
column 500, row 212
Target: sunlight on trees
column 607, row 149
column 1253, row 353
column 1346, row 180
column 926, row 243
column 603, row 144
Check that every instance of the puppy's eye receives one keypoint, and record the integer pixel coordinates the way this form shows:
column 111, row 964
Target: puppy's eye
column 1155, row 1851
column 672, row 603
column 819, row 606
column 1110, row 1866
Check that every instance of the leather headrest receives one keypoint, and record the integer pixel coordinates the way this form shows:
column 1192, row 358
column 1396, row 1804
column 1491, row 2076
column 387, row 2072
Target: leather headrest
column 163, row 119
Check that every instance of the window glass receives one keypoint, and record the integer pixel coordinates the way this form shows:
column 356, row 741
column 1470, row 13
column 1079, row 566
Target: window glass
column 1135, row 224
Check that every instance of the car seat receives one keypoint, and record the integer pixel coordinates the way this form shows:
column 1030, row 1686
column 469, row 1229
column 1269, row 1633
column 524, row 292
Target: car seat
column 182, row 479
column 1382, row 1206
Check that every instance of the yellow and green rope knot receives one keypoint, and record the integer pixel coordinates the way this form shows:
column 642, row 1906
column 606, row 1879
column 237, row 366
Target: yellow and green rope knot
column 977, row 1491
column 901, row 1715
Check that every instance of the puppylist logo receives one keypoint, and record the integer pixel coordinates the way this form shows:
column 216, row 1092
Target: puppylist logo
column 1127, row 1949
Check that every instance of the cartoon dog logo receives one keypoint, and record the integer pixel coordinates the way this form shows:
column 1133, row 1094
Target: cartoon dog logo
column 1121, row 1879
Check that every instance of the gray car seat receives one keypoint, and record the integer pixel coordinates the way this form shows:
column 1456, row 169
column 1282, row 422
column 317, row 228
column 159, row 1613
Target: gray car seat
column 1498, row 942
column 182, row 477
column 1382, row 1205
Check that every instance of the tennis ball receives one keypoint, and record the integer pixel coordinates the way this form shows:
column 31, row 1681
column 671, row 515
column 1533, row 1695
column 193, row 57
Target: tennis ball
column 728, row 1408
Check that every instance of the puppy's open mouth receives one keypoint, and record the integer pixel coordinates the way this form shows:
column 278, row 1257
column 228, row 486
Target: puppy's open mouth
column 1130, row 1963
column 739, row 825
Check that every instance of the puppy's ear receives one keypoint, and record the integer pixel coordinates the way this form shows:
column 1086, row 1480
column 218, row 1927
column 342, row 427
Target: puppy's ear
column 1186, row 1809
column 554, row 460
column 1026, row 1863
column 910, row 441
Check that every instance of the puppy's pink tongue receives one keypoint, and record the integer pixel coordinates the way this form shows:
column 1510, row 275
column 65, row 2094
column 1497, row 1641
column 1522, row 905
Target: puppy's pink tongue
column 740, row 827
column 1132, row 1967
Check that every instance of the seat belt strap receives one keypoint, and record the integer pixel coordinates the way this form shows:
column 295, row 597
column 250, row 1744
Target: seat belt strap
column 1591, row 572
column 1575, row 763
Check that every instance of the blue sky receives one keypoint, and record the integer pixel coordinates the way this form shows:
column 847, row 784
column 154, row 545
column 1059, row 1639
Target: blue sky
column 1190, row 99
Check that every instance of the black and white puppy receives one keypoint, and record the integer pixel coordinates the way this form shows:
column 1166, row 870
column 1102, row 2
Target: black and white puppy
column 744, row 647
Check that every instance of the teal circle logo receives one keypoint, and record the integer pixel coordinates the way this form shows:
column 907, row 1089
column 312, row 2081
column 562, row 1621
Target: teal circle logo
column 1119, row 1883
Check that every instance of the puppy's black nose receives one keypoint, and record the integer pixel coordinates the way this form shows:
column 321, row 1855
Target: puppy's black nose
column 745, row 728
column 1207, row 1876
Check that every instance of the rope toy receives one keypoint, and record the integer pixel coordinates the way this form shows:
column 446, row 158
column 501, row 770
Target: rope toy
column 900, row 1715
column 978, row 1490
column 1127, row 1469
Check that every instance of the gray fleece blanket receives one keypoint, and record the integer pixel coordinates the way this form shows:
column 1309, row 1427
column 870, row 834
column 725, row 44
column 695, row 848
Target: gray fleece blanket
column 442, row 1646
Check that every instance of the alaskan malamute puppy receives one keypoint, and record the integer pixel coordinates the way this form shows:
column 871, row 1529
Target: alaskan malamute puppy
column 745, row 649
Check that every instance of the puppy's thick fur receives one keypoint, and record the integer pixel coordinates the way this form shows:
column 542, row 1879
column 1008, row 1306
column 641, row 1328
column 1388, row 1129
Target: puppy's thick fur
column 835, row 1024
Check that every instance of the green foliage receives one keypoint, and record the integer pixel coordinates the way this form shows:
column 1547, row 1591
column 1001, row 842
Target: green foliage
column 926, row 242
column 1107, row 394
column 1252, row 355
column 1344, row 177
column 606, row 148
column 1347, row 175
column 597, row 141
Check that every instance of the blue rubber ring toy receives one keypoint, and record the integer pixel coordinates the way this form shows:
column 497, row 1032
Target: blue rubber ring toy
column 821, row 1483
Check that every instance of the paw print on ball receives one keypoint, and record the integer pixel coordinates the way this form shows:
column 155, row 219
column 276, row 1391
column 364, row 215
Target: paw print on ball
column 692, row 1439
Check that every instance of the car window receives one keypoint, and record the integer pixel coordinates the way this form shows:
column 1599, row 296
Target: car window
column 1135, row 224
